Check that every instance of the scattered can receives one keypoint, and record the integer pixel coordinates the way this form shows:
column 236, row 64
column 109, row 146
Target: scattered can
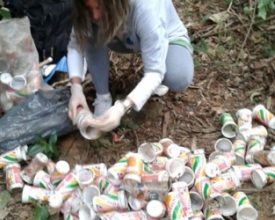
column 216, row 166
column 239, row 149
column 223, row 145
column 196, row 201
column 89, row 193
column 175, row 208
column 100, row 169
column 37, row 163
column 198, row 215
column 72, row 203
column 32, row 194
column 116, row 173
column 253, row 145
column 13, row 156
column 264, row 116
column 67, row 186
column 226, row 182
column 106, row 203
column 244, row 208
column 210, row 214
column 159, row 163
column 184, row 197
column 136, row 204
column 197, row 163
column 263, row 177
column 264, row 157
column 229, row 207
column 156, row 209
column 243, row 172
column 209, row 194
column 149, row 192
column 133, row 215
column 244, row 117
column 229, row 127
column 42, row 179
column 62, row 168
column 230, row 156
column 175, row 168
column 84, row 177
column 188, row 177
column 133, row 172
column 104, row 185
column 149, row 151
column 13, row 179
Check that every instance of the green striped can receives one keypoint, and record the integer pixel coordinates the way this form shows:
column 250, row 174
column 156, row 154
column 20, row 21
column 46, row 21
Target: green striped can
column 67, row 186
column 176, row 210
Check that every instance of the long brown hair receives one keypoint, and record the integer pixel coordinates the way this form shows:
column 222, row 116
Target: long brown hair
column 113, row 20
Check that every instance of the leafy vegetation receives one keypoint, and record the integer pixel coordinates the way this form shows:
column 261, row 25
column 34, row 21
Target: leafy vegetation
column 4, row 13
column 41, row 212
column 49, row 148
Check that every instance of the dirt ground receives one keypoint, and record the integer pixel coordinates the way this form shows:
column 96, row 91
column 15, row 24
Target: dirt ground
column 234, row 68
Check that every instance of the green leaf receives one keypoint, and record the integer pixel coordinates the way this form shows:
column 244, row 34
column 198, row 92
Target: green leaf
column 40, row 213
column 49, row 155
column 52, row 144
column 104, row 142
column 206, row 17
column 53, row 149
column 53, row 139
column 4, row 198
column 35, row 149
column 128, row 124
column 41, row 140
column 46, row 148
column 247, row 11
column 262, row 13
column 203, row 46
column 4, row 13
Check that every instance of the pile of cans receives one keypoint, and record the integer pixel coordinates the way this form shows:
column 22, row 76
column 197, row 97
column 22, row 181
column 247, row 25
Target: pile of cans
column 163, row 180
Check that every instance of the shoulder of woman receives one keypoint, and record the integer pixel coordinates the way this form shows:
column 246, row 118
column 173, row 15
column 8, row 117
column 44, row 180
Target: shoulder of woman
column 142, row 5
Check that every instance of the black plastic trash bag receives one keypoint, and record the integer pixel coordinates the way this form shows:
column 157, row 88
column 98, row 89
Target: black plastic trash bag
column 42, row 113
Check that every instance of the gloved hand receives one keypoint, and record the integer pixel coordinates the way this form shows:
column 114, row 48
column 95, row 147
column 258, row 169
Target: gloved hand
column 110, row 119
column 77, row 99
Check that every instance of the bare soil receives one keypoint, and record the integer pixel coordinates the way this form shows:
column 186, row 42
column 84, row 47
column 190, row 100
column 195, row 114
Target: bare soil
column 234, row 69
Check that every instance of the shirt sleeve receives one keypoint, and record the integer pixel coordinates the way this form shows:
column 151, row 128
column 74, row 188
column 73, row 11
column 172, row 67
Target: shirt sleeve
column 75, row 58
column 154, row 45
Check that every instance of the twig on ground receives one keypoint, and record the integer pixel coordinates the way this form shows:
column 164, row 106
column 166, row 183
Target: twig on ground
column 166, row 120
column 255, row 190
column 137, row 140
column 194, row 87
column 229, row 7
column 248, row 32
column 253, row 95
column 212, row 33
column 268, row 102
column 194, row 144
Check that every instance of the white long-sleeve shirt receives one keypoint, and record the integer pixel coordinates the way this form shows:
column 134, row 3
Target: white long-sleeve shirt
column 152, row 24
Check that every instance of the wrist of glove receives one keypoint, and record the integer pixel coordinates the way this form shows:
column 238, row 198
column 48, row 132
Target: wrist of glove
column 111, row 118
column 77, row 100
column 76, row 88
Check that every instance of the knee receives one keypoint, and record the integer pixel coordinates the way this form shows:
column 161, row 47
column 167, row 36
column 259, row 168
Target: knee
column 183, row 82
column 180, row 82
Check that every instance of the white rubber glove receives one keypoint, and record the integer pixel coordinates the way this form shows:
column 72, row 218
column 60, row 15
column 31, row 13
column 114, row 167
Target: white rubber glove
column 77, row 99
column 110, row 119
